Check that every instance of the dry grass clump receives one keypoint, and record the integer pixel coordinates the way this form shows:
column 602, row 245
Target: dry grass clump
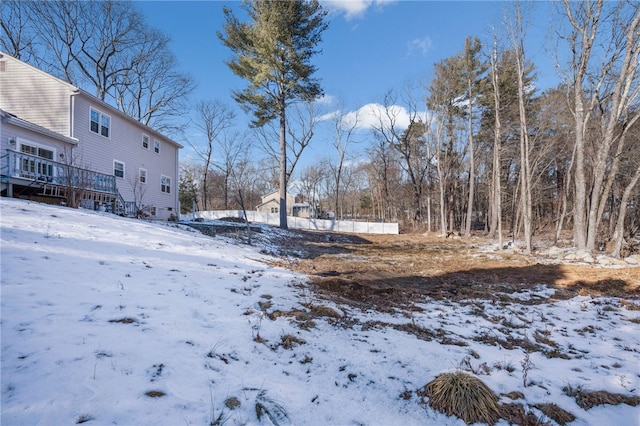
column 323, row 311
column 589, row 399
column 516, row 414
column 289, row 341
column 631, row 306
column 125, row 320
column 305, row 319
column 464, row 396
column 514, row 395
column 232, row 403
column 84, row 419
column 556, row 413
column 270, row 408
column 155, row 394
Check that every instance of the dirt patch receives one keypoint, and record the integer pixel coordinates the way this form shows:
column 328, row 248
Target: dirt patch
column 388, row 272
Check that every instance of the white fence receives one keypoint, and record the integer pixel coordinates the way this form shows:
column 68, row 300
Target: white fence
column 301, row 223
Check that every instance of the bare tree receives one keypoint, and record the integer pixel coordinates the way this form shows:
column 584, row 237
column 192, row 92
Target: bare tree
column 76, row 179
column 300, row 124
column 438, row 140
column 105, row 47
column 139, row 189
column 604, row 91
column 253, row 180
column 213, row 118
column 18, row 35
column 154, row 91
column 95, row 42
column 472, row 70
column 344, row 126
column 234, row 149
column 443, row 103
column 496, row 191
column 408, row 142
column 383, row 173
column 517, row 35
column 311, row 180
column 618, row 233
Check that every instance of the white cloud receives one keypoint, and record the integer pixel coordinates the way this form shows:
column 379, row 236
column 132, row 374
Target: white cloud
column 328, row 116
column 355, row 8
column 422, row 45
column 325, row 100
column 371, row 115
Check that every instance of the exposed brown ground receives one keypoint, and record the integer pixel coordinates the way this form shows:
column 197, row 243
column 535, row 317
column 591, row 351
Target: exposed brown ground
column 394, row 271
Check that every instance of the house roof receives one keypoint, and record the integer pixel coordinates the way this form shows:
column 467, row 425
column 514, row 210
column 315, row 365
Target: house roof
column 76, row 90
column 116, row 111
column 270, row 201
column 13, row 119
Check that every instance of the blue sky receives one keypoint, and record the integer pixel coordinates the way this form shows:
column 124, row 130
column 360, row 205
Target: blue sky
column 370, row 47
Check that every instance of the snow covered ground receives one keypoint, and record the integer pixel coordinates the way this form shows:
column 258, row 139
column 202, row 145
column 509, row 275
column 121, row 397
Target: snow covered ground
column 108, row 320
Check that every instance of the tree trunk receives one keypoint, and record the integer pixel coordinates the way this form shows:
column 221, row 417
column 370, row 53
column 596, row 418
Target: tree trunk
column 443, row 213
column 525, row 166
column 581, row 54
column 472, row 165
column 429, row 212
column 283, row 167
column 496, row 193
column 564, row 197
column 618, row 234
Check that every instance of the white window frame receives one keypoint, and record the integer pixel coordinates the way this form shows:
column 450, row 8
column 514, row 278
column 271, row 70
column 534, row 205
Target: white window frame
column 142, row 175
column 146, row 139
column 100, row 124
column 165, row 184
column 37, row 168
column 156, row 146
column 123, row 169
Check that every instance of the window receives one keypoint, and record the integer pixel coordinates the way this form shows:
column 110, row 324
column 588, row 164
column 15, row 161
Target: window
column 165, row 184
column 100, row 123
column 145, row 141
column 153, row 211
column 37, row 166
column 156, row 147
column 142, row 176
column 118, row 169
column 274, row 210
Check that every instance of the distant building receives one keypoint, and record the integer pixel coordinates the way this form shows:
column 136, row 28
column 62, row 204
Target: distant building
column 296, row 206
column 60, row 144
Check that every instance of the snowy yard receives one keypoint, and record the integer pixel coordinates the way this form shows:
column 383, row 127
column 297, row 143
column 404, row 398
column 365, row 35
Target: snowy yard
column 108, row 320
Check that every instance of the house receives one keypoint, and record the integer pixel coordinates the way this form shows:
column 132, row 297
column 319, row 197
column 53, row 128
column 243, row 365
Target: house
column 60, row 144
column 296, row 206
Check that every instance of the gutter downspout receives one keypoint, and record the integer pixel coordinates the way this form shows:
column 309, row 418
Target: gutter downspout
column 176, row 199
column 72, row 120
column 72, row 113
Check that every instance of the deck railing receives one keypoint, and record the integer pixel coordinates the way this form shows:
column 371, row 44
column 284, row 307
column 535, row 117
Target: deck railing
column 26, row 166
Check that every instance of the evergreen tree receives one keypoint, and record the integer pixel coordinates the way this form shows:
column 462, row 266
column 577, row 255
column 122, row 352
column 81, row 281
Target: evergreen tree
column 273, row 52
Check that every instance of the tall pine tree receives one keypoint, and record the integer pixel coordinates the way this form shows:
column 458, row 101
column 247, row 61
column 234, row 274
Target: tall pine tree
column 273, row 52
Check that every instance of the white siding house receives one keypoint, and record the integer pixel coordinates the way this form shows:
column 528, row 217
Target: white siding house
column 58, row 141
column 270, row 203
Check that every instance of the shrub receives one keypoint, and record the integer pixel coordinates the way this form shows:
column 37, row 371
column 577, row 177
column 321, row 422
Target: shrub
column 462, row 395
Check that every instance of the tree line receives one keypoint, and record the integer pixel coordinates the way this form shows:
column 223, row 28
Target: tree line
column 478, row 148
column 484, row 150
